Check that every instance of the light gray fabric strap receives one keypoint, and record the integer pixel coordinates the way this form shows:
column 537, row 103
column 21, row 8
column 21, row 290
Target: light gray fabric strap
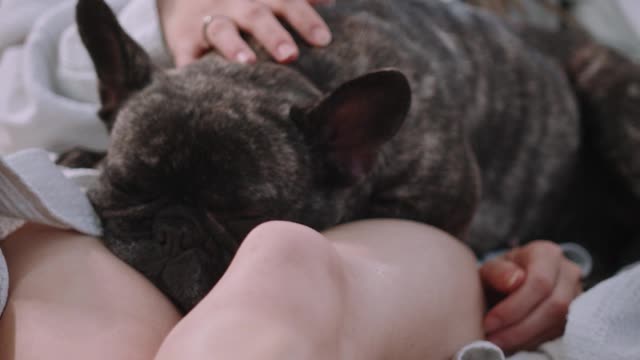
column 33, row 188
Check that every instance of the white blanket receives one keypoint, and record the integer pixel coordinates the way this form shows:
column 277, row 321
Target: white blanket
column 604, row 323
column 48, row 95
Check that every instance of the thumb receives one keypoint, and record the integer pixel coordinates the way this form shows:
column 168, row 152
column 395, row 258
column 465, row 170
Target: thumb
column 502, row 275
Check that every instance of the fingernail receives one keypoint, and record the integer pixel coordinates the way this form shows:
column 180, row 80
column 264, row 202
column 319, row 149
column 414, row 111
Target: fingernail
column 515, row 278
column 286, row 51
column 244, row 57
column 492, row 324
column 321, row 36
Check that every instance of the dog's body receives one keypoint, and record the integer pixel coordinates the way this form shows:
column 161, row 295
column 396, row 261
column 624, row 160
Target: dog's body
column 491, row 149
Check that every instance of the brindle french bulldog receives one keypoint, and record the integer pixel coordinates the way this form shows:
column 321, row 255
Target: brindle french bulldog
column 425, row 110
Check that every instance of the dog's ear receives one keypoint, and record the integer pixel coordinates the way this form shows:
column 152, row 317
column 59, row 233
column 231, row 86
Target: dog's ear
column 351, row 123
column 122, row 66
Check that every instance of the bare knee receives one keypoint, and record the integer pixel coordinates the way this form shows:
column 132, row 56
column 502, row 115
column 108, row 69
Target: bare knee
column 289, row 244
column 284, row 279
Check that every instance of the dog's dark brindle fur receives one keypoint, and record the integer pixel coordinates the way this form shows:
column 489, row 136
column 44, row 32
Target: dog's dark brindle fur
column 477, row 132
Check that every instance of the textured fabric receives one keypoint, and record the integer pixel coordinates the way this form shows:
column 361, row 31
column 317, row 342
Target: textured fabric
column 48, row 92
column 34, row 189
column 604, row 323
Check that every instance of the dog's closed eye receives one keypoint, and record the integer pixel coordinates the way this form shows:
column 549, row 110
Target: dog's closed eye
column 239, row 223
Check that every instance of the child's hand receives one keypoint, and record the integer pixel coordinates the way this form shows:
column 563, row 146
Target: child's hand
column 183, row 25
column 538, row 284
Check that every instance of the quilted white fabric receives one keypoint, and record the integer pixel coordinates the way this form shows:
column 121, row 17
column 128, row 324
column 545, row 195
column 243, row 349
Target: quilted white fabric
column 604, row 323
column 48, row 92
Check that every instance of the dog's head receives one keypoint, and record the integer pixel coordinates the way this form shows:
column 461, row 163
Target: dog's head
column 201, row 155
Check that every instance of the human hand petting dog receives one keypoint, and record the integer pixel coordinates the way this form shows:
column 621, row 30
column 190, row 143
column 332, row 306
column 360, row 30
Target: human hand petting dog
column 537, row 284
column 193, row 27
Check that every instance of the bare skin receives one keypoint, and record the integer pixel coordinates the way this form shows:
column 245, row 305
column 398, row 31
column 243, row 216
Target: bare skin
column 182, row 25
column 381, row 289
column 371, row 290
column 537, row 284
column 70, row 298
column 63, row 284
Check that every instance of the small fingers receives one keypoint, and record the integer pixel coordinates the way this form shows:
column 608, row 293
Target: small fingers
column 305, row 20
column 222, row 34
column 501, row 275
column 188, row 41
column 258, row 20
column 542, row 265
column 547, row 321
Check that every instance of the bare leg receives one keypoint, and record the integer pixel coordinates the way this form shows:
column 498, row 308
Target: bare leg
column 380, row 289
column 70, row 298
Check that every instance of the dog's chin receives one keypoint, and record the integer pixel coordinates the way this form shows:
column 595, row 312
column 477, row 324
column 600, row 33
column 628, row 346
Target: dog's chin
column 187, row 278
column 184, row 275
column 182, row 251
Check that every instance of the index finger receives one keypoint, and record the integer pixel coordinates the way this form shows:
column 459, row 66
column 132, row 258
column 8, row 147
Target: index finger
column 502, row 275
column 258, row 20
column 305, row 20
column 542, row 266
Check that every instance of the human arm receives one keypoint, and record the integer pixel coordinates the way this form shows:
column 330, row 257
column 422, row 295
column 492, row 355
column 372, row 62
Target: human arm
column 183, row 27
